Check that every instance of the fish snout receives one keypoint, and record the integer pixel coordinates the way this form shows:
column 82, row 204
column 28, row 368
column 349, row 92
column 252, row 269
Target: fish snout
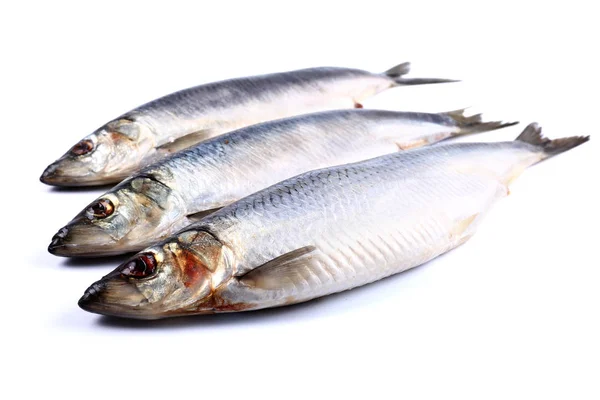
column 58, row 241
column 82, row 240
column 113, row 295
column 49, row 175
column 69, row 171
column 92, row 296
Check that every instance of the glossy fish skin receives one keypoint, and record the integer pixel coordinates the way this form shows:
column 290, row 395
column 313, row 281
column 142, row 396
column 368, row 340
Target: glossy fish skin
column 182, row 119
column 159, row 200
column 322, row 232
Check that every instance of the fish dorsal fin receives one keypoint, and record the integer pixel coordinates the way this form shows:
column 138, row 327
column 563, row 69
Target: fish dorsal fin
column 287, row 270
column 184, row 142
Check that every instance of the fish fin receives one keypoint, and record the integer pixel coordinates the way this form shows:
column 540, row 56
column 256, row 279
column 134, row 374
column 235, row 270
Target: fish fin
column 185, row 141
column 412, row 145
column 397, row 73
column 398, row 70
column 421, row 81
column 460, row 230
column 287, row 270
column 533, row 135
column 474, row 123
column 195, row 217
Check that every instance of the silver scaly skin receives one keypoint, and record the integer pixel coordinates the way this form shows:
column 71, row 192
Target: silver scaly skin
column 322, row 232
column 167, row 196
column 182, row 119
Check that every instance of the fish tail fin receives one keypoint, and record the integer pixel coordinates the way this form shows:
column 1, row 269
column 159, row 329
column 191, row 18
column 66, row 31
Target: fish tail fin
column 533, row 135
column 397, row 73
column 474, row 123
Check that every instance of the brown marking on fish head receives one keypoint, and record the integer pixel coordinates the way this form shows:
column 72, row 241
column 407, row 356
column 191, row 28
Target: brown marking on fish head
column 193, row 269
column 202, row 264
column 193, row 274
column 116, row 136
column 222, row 305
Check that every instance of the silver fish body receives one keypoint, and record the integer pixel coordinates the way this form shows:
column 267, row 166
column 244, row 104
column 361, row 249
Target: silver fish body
column 167, row 196
column 322, row 232
column 182, row 119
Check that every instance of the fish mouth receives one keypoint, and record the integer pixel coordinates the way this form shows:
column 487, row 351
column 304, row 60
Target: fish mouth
column 74, row 250
column 57, row 245
column 64, row 172
column 70, row 171
column 49, row 175
column 84, row 241
column 112, row 298
column 55, row 176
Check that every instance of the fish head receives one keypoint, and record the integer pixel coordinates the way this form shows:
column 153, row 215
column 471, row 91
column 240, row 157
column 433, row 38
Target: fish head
column 136, row 213
column 173, row 278
column 108, row 155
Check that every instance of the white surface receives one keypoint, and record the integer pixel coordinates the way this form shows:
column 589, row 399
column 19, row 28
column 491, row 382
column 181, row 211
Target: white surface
column 511, row 314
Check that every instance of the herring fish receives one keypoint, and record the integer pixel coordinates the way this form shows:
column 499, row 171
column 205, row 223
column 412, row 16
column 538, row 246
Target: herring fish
column 182, row 119
column 322, row 232
column 169, row 195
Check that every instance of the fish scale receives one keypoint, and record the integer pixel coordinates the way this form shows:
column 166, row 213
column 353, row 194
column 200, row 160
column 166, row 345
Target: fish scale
column 324, row 141
column 218, row 106
column 318, row 192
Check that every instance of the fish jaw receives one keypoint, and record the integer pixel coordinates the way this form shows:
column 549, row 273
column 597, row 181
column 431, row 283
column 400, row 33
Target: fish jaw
column 82, row 241
column 106, row 156
column 96, row 299
column 174, row 278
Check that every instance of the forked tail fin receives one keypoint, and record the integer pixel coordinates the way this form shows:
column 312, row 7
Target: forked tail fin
column 397, row 75
column 474, row 123
column 533, row 135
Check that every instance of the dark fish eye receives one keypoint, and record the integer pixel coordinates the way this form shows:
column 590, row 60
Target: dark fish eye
column 140, row 267
column 83, row 147
column 102, row 208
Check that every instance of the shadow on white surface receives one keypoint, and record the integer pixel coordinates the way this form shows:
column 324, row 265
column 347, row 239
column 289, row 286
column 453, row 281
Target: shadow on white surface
column 83, row 189
column 103, row 262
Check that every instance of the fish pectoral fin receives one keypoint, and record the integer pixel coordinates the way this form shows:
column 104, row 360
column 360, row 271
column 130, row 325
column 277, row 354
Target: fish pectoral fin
column 195, row 217
column 186, row 141
column 460, row 231
column 287, row 271
column 412, row 145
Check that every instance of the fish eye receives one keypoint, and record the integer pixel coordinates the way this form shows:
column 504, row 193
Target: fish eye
column 83, row 147
column 101, row 208
column 140, row 267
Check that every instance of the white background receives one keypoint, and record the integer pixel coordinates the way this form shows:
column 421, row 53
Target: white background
column 511, row 314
